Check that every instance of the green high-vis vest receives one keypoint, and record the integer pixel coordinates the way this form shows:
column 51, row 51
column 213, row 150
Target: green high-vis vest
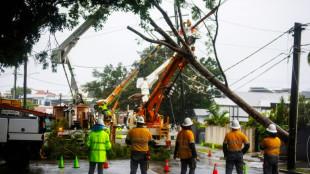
column 98, row 142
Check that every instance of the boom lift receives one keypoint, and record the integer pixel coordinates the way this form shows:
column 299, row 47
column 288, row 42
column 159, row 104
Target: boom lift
column 102, row 105
column 149, row 109
column 60, row 56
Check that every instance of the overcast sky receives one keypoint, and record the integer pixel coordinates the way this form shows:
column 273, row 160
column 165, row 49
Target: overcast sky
column 245, row 27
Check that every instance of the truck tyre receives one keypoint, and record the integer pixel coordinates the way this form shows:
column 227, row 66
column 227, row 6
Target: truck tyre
column 17, row 155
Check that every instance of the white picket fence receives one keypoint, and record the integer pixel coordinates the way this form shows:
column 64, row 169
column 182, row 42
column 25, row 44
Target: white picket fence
column 216, row 135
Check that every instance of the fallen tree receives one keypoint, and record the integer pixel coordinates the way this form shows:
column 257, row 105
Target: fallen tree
column 186, row 52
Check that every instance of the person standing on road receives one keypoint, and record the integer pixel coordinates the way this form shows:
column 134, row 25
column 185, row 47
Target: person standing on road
column 119, row 136
column 271, row 146
column 185, row 148
column 98, row 141
column 232, row 148
column 139, row 139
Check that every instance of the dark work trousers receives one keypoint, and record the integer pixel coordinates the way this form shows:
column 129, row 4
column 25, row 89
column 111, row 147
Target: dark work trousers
column 234, row 158
column 138, row 157
column 271, row 164
column 92, row 166
column 191, row 162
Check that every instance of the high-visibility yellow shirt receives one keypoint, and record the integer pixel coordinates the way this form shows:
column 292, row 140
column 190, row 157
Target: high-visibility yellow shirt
column 184, row 138
column 119, row 136
column 139, row 138
column 235, row 139
column 98, row 142
column 271, row 145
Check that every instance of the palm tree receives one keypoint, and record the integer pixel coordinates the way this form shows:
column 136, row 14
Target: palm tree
column 217, row 117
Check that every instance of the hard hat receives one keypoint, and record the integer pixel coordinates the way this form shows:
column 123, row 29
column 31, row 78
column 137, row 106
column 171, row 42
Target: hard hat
column 235, row 124
column 188, row 22
column 119, row 125
column 272, row 128
column 140, row 120
column 187, row 122
column 100, row 121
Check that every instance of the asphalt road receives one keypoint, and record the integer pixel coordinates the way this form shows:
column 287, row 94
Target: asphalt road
column 205, row 166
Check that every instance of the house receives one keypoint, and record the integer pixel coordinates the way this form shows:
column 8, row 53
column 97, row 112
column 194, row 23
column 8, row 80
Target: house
column 261, row 99
column 200, row 115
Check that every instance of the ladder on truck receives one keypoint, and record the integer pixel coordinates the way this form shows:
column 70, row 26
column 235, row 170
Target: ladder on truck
column 164, row 130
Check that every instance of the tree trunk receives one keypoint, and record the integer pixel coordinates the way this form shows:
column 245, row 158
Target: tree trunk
column 264, row 121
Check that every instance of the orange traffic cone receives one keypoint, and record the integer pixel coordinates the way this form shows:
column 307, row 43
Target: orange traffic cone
column 215, row 169
column 106, row 165
column 166, row 169
column 209, row 152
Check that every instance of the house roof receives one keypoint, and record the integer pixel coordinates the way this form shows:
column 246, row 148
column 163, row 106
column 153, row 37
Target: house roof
column 201, row 112
column 258, row 99
column 306, row 93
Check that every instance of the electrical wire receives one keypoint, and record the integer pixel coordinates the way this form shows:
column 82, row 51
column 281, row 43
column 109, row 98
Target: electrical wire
column 172, row 110
column 46, row 81
column 258, row 50
column 260, row 67
column 262, row 72
column 194, row 80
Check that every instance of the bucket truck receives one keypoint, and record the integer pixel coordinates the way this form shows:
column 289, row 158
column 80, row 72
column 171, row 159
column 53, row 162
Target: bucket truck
column 149, row 107
column 76, row 115
column 102, row 105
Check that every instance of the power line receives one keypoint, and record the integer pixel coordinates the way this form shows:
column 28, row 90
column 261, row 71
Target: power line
column 259, row 67
column 257, row 50
column 263, row 72
column 46, row 81
column 194, row 80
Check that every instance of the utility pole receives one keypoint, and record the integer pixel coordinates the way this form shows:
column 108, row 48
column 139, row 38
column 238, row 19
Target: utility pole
column 60, row 99
column 291, row 162
column 182, row 115
column 15, row 78
column 25, row 83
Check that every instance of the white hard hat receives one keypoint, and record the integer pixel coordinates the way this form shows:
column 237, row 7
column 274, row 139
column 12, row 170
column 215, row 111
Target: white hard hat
column 272, row 128
column 187, row 122
column 140, row 120
column 119, row 125
column 100, row 121
column 235, row 124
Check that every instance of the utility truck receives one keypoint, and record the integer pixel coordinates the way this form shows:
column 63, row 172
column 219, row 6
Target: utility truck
column 21, row 135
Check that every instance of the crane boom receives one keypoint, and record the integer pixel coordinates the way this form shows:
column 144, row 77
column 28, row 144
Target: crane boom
column 128, row 79
column 60, row 56
column 151, row 107
column 145, row 83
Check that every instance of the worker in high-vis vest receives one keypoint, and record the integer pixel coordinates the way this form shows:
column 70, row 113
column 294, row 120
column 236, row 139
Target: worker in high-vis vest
column 139, row 139
column 232, row 147
column 119, row 136
column 132, row 120
column 98, row 141
column 271, row 146
column 185, row 148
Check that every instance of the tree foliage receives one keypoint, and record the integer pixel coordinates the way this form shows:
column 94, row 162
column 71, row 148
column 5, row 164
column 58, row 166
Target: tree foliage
column 20, row 91
column 218, row 117
column 30, row 105
column 23, row 22
column 303, row 111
